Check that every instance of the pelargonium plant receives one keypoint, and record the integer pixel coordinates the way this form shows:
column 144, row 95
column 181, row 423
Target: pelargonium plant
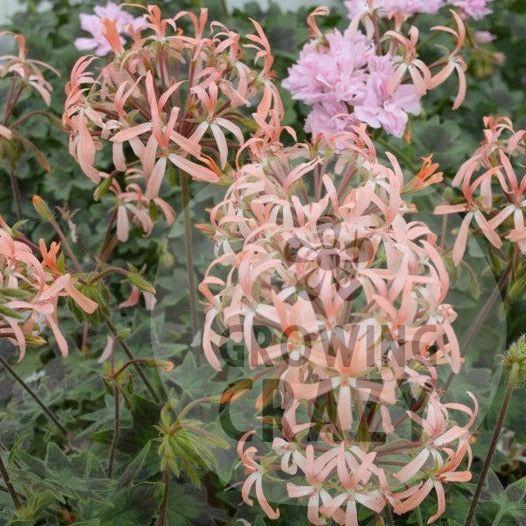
column 172, row 99
column 493, row 191
column 170, row 96
column 21, row 73
column 315, row 248
column 365, row 76
column 32, row 282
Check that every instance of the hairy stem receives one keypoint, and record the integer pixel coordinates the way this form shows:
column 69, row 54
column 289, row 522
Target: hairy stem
column 510, row 388
column 10, row 489
column 161, row 521
column 189, row 252
column 116, row 431
column 49, row 413
column 65, row 244
column 111, row 326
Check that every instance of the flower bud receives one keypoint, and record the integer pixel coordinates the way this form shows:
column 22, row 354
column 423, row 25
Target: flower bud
column 515, row 362
column 42, row 208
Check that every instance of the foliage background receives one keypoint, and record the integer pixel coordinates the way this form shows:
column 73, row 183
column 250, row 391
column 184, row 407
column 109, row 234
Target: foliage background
column 69, row 486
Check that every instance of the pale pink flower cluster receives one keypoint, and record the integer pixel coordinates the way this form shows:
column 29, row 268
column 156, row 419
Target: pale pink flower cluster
column 171, row 99
column 476, row 9
column 392, row 7
column 125, row 23
column 31, row 286
column 349, row 77
column 493, row 189
column 316, row 248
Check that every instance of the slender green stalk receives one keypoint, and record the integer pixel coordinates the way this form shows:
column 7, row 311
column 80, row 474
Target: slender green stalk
column 189, row 252
column 65, row 244
column 16, row 194
column 49, row 413
column 388, row 516
column 111, row 326
column 224, row 6
column 11, row 490
column 161, row 521
column 510, row 389
column 116, row 431
column 419, row 516
column 498, row 517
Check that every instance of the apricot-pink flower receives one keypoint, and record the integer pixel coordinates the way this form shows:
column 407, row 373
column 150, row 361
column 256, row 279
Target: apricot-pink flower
column 31, row 289
column 29, row 70
column 492, row 193
column 172, row 98
column 315, row 247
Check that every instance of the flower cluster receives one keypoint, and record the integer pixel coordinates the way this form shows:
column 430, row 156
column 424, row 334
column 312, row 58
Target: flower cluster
column 349, row 77
column 125, row 24
column 31, row 284
column 172, row 97
column 314, row 252
column 27, row 70
column 476, row 9
column 493, row 195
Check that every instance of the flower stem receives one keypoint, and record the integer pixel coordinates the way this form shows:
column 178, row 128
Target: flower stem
column 161, row 521
column 510, row 389
column 111, row 326
column 16, row 194
column 65, row 244
column 35, row 397
column 498, row 517
column 224, row 6
column 419, row 516
column 388, row 515
column 189, row 252
column 11, row 490
column 116, row 431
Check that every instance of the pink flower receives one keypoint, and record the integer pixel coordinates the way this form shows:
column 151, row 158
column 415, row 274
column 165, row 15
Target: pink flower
column 484, row 37
column 383, row 107
column 313, row 245
column 331, row 70
column 32, row 289
column 125, row 23
column 31, row 71
column 476, row 9
column 173, row 98
column 493, row 193
column 388, row 7
column 255, row 477
column 350, row 78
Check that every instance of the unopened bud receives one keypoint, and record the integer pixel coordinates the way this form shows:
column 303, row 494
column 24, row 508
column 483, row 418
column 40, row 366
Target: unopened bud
column 141, row 283
column 42, row 208
column 515, row 362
